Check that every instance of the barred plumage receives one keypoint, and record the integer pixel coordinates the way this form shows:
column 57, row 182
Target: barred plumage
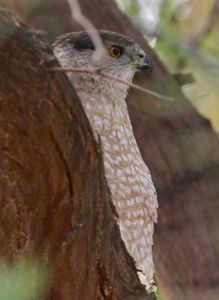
column 128, row 177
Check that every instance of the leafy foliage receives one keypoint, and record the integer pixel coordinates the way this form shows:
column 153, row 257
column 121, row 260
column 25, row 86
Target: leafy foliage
column 23, row 281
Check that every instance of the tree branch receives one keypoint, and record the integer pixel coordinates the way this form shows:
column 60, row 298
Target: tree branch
column 88, row 26
column 55, row 203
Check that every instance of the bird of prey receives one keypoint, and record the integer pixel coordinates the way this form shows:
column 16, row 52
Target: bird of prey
column 103, row 99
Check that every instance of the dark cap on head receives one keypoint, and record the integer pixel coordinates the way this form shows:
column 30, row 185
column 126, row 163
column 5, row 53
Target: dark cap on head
column 82, row 41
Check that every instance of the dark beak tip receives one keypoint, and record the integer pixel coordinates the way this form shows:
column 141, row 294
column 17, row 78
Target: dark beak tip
column 147, row 64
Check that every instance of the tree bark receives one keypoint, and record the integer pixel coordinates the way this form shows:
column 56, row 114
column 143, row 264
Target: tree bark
column 54, row 200
column 182, row 152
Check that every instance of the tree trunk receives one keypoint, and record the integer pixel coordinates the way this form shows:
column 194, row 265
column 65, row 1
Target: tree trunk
column 182, row 152
column 54, row 200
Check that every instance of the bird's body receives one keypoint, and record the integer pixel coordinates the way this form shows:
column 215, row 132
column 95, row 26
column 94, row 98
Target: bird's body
column 128, row 177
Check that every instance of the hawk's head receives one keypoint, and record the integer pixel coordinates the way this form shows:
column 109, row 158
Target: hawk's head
column 122, row 56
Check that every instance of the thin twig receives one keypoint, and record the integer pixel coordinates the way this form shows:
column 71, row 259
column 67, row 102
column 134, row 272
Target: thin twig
column 99, row 51
column 78, row 16
column 99, row 72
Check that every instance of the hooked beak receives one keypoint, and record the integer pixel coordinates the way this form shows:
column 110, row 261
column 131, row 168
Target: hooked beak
column 145, row 64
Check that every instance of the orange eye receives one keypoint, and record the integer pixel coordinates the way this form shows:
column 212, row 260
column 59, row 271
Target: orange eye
column 116, row 51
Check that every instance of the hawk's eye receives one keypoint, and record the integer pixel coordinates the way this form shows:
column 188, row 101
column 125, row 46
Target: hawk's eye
column 116, row 51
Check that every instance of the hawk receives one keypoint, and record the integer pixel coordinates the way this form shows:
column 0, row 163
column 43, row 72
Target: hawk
column 103, row 99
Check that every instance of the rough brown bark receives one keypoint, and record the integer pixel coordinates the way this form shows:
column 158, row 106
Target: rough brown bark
column 182, row 151
column 53, row 195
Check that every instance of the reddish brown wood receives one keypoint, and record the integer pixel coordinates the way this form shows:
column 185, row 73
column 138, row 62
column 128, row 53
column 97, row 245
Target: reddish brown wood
column 182, row 152
column 55, row 204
